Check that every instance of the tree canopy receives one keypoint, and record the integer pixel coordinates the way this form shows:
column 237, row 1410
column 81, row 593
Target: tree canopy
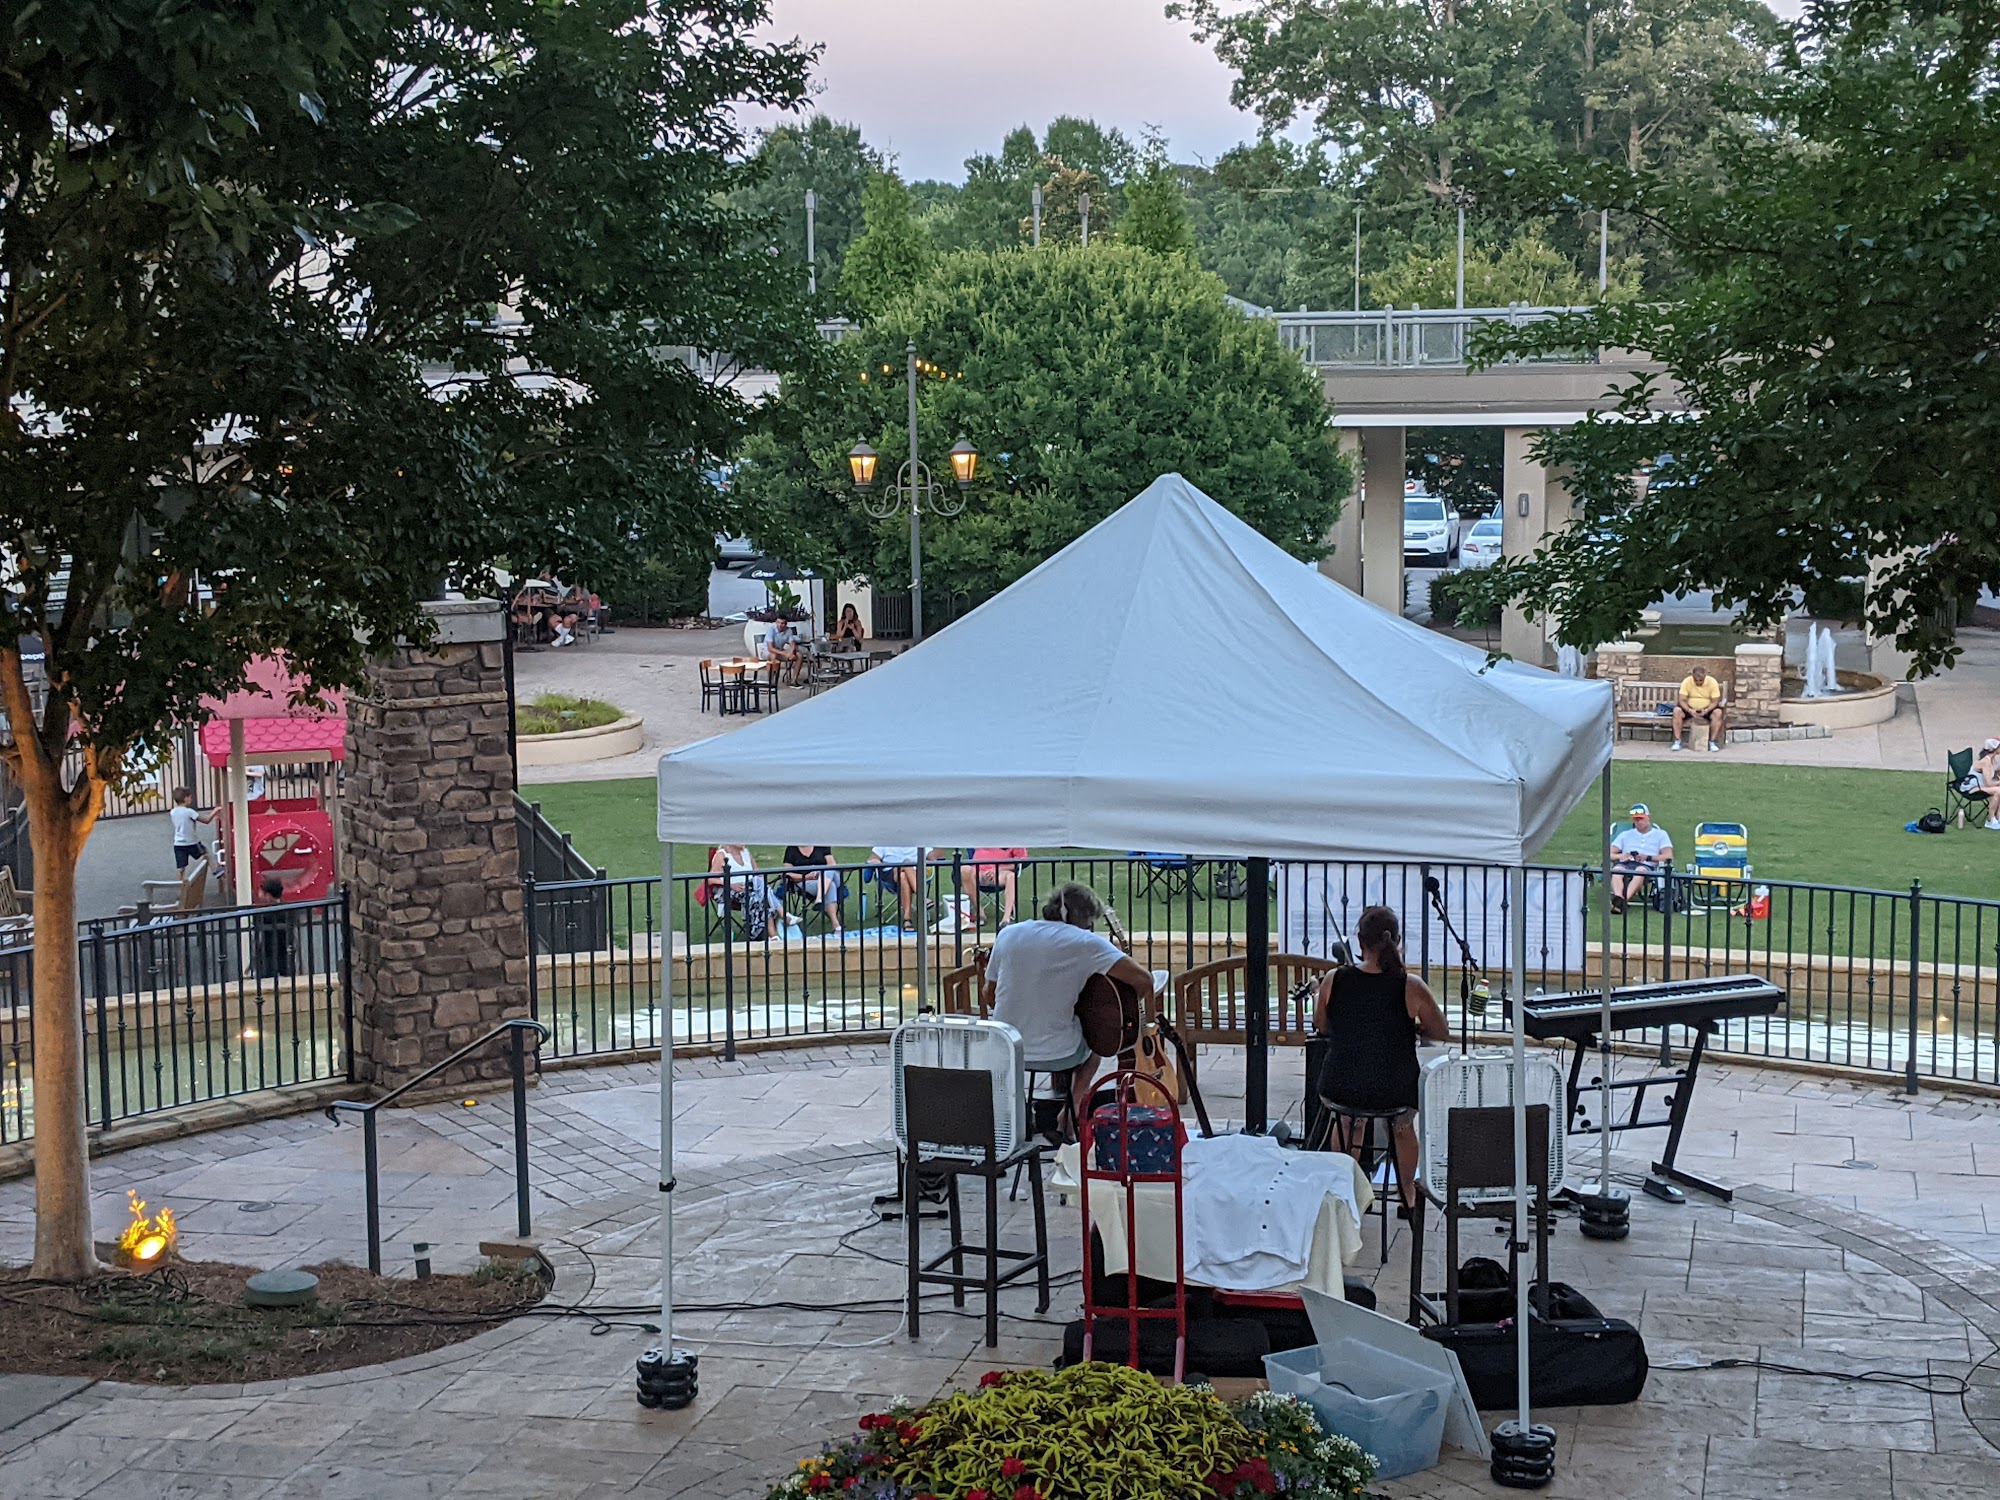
column 831, row 161
column 306, row 314
column 1080, row 376
column 892, row 251
column 1835, row 347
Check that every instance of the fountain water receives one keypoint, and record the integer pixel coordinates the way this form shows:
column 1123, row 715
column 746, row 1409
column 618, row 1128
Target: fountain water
column 1820, row 681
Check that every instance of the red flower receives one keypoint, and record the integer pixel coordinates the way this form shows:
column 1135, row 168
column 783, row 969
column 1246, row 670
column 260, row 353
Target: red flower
column 992, row 1378
column 1027, row 1492
column 820, row 1482
column 852, row 1481
column 977, row 1495
column 1012, row 1468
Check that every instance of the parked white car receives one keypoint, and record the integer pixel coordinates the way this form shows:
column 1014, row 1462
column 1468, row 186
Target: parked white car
column 1481, row 547
column 1430, row 529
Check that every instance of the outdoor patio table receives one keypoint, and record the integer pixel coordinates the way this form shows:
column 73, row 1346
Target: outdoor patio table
column 1336, row 1236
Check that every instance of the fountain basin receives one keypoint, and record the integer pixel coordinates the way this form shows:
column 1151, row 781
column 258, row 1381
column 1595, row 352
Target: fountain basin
column 1864, row 699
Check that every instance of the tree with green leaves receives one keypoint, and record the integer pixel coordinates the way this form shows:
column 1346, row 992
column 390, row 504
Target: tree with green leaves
column 1834, row 352
column 892, row 252
column 1155, row 216
column 1527, row 268
column 830, row 160
column 1080, row 376
column 308, row 310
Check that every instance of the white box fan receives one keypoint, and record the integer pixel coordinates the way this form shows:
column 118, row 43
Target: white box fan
column 992, row 1048
column 1480, row 1080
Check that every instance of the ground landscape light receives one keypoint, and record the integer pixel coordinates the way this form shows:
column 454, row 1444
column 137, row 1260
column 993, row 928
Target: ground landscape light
column 146, row 1240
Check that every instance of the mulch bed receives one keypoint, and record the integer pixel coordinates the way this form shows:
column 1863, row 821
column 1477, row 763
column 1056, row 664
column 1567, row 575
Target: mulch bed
column 185, row 1323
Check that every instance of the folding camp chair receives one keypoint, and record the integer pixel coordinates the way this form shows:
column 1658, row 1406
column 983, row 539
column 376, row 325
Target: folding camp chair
column 1719, row 874
column 1957, row 803
column 1170, row 875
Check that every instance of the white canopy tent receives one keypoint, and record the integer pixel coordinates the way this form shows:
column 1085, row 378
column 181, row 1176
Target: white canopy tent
column 1170, row 680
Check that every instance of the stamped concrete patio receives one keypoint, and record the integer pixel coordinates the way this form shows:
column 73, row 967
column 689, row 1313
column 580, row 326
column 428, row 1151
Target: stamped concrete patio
column 1867, row 1238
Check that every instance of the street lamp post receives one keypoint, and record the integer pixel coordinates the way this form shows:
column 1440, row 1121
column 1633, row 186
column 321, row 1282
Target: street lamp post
column 914, row 488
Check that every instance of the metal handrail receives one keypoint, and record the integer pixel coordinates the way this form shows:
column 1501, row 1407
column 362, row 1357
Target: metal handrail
column 371, row 1153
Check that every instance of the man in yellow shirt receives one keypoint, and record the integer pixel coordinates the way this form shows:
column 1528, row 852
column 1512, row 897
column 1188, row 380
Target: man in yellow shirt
column 1700, row 700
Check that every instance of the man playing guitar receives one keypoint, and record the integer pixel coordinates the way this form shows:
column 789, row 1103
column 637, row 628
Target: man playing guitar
column 1035, row 973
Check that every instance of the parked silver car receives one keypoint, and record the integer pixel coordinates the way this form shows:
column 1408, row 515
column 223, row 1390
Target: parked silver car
column 1481, row 547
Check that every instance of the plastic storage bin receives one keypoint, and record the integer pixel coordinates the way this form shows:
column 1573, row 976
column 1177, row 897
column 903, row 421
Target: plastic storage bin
column 1394, row 1409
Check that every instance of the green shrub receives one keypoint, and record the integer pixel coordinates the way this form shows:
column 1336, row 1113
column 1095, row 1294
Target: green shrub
column 552, row 713
column 1093, row 1430
column 1455, row 601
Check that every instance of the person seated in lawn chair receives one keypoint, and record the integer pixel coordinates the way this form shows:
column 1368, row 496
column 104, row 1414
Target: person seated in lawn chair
column 996, row 869
column 1637, row 855
column 808, row 870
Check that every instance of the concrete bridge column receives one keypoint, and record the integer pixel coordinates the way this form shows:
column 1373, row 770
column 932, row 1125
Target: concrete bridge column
column 1344, row 565
column 1544, row 496
column 1383, row 466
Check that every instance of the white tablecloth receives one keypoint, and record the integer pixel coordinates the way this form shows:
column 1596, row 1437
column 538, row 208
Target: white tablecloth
column 1335, row 1237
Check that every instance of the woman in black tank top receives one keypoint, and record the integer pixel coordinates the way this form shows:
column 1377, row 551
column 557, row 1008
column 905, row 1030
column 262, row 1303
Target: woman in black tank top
column 1372, row 1017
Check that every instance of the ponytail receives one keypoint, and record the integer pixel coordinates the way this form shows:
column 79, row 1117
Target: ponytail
column 1379, row 933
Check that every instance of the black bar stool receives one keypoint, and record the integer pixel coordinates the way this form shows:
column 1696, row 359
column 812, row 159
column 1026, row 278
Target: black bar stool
column 952, row 1109
column 1348, row 1125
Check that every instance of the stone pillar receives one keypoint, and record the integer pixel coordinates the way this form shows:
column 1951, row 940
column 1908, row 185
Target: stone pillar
column 1549, row 507
column 1343, row 566
column 1760, row 676
column 437, row 940
column 1383, row 467
column 1618, row 661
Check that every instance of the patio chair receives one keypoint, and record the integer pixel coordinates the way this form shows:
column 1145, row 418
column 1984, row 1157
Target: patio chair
column 726, row 906
column 711, row 685
column 1958, row 766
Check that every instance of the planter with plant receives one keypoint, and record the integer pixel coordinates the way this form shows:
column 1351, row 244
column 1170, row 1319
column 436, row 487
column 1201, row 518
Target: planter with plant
column 783, row 604
column 1090, row 1430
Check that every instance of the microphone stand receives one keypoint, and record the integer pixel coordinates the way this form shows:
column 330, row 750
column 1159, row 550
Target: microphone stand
column 1467, row 967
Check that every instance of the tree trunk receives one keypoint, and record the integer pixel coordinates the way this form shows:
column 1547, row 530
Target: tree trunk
column 64, row 1248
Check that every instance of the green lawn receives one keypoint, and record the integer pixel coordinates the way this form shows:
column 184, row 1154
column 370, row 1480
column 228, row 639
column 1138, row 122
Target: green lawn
column 1828, row 826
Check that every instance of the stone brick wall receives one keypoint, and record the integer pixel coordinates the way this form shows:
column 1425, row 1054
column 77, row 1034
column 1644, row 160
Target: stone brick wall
column 1760, row 672
column 1617, row 661
column 437, row 940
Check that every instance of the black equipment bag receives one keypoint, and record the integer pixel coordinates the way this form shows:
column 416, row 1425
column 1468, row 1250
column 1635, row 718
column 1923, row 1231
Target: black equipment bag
column 1216, row 1347
column 1577, row 1357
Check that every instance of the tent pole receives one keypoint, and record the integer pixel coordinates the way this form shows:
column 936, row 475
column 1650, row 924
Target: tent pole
column 923, row 930
column 1523, row 1456
column 1257, row 998
column 1607, row 1215
column 667, row 1378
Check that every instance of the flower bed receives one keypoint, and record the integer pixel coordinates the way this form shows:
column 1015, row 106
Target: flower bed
column 1091, row 1432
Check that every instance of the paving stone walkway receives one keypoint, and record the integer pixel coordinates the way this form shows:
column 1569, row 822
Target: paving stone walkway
column 1816, row 1265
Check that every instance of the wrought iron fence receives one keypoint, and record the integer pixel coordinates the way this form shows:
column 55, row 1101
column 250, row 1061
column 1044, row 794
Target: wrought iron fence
column 181, row 1010
column 1899, row 983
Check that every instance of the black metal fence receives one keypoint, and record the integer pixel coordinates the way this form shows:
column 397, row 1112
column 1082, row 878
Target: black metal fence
column 181, row 1010
column 1900, row 983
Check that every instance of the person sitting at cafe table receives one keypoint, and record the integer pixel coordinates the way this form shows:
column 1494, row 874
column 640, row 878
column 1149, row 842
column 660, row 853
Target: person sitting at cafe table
column 1637, row 854
column 781, row 646
column 808, row 869
column 847, row 630
column 1373, row 1014
column 1700, row 701
column 1035, row 974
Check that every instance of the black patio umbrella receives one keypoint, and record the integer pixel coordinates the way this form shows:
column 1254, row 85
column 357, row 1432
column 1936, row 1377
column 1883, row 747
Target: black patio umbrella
column 769, row 569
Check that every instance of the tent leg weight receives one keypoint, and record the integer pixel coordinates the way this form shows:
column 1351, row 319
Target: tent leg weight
column 1605, row 1216
column 1523, row 1460
column 668, row 1381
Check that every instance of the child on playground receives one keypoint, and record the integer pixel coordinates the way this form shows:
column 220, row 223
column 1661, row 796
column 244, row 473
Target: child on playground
column 188, row 846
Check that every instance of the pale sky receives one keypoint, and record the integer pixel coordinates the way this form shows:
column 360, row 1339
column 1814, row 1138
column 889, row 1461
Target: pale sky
column 933, row 81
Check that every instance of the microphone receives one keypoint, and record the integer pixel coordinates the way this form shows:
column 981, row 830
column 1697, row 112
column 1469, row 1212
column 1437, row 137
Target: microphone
column 1432, row 887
